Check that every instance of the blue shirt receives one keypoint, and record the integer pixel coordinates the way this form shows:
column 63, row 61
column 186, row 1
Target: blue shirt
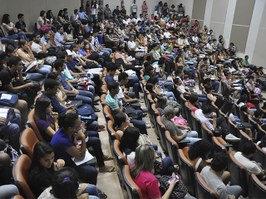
column 63, row 82
column 61, row 142
column 108, row 79
column 57, row 107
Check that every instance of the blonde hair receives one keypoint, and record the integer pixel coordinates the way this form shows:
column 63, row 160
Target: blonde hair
column 144, row 159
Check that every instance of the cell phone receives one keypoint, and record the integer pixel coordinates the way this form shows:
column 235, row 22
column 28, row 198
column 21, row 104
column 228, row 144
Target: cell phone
column 173, row 178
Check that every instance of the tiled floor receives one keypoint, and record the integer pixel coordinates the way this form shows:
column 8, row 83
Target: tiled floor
column 109, row 182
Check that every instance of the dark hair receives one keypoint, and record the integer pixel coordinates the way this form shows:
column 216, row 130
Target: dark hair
column 248, row 148
column 111, row 67
column 120, row 117
column 22, row 42
column 263, row 142
column 219, row 162
column 42, row 13
column 50, row 84
column 35, row 34
column 112, row 85
column 207, row 109
column 20, row 15
column 129, row 140
column 41, row 105
column 12, row 61
column 61, row 55
column 60, row 13
column 243, row 98
column 193, row 98
column 58, row 63
column 199, row 149
column 40, row 150
column 52, row 75
column 5, row 19
column 122, row 76
column 161, row 61
column 65, row 183
column 149, row 87
column 153, row 80
column 258, row 113
column 67, row 120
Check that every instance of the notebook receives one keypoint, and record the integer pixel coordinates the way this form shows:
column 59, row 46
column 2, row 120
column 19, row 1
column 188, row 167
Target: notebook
column 88, row 158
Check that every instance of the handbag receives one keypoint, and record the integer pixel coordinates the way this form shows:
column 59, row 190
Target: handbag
column 8, row 99
column 144, row 139
column 179, row 191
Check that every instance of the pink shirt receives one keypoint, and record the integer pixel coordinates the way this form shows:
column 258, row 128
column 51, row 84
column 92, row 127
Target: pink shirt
column 148, row 185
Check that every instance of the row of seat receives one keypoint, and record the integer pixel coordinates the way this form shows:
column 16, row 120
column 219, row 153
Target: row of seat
column 178, row 154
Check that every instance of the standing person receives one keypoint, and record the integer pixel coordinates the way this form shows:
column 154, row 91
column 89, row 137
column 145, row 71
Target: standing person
column 134, row 8
column 144, row 8
column 94, row 11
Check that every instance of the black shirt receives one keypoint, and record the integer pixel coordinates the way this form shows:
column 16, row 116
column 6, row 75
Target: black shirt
column 21, row 25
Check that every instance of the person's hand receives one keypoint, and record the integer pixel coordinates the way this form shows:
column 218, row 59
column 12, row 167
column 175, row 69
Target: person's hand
column 2, row 120
column 214, row 115
column 75, row 91
column 80, row 135
column 59, row 164
column 173, row 180
column 231, row 197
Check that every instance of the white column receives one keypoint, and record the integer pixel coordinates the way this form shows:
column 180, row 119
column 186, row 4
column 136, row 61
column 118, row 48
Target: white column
column 254, row 27
column 229, row 21
column 208, row 13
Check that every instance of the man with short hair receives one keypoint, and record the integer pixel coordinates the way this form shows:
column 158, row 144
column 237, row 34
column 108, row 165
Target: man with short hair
column 213, row 177
column 245, row 159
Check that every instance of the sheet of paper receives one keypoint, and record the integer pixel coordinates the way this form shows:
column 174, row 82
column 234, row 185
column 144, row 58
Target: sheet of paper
column 87, row 158
column 5, row 96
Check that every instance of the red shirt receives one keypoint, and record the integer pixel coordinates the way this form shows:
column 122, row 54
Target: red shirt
column 148, row 185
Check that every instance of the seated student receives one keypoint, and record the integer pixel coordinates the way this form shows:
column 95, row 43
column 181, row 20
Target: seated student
column 69, row 142
column 51, row 87
column 131, row 140
column 45, row 118
column 20, row 86
column 11, row 30
column 112, row 101
column 68, row 88
column 262, row 143
column 142, row 174
column 65, row 184
column 176, row 132
column 39, row 71
column 161, row 104
column 111, row 69
column 7, row 189
column 21, row 105
column 38, row 47
column 244, row 158
column 212, row 176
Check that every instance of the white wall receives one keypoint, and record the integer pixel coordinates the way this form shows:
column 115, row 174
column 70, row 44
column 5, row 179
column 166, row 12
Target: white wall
column 31, row 8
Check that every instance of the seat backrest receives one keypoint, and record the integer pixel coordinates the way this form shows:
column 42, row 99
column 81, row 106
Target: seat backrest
column 186, row 170
column 238, row 174
column 202, row 189
column 28, row 140
column 171, row 146
column 20, row 175
column 260, row 156
column 33, row 124
column 257, row 190
column 206, row 133
column 133, row 190
column 161, row 130
column 196, row 124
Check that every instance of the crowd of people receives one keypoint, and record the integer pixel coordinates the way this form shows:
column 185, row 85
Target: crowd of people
column 69, row 63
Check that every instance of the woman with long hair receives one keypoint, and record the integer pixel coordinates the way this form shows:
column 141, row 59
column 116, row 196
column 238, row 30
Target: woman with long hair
column 10, row 29
column 45, row 118
column 142, row 174
column 43, row 167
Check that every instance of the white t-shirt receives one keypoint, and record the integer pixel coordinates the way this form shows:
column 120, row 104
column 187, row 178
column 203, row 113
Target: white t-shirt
column 251, row 166
column 131, row 44
column 36, row 47
column 200, row 116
